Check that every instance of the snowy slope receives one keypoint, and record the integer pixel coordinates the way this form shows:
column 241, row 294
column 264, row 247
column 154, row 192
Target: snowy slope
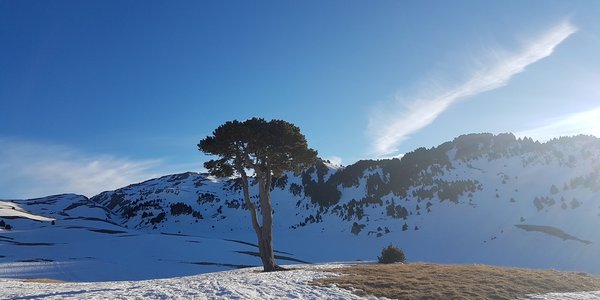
column 13, row 210
column 480, row 198
column 83, row 244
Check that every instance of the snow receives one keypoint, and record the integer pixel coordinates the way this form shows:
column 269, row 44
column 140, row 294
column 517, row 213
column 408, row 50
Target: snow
column 247, row 283
column 566, row 296
column 9, row 209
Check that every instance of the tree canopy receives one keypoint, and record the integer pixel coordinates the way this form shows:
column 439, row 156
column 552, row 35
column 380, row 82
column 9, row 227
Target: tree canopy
column 271, row 147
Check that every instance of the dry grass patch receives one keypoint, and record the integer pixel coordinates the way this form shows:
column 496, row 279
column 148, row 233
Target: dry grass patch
column 436, row 281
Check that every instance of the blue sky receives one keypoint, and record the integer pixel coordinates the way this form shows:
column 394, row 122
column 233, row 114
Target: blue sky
column 95, row 95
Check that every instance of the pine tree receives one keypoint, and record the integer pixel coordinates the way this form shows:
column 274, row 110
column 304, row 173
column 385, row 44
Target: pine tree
column 268, row 149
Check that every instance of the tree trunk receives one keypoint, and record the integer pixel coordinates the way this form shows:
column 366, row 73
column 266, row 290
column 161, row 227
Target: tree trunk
column 251, row 207
column 264, row 233
column 265, row 242
column 266, row 253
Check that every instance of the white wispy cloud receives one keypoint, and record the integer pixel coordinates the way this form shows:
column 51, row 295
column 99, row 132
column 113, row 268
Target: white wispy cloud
column 573, row 124
column 391, row 124
column 29, row 169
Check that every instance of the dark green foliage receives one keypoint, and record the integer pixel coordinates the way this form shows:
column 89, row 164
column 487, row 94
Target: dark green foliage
column 324, row 194
column 296, row 189
column 553, row 190
column 371, row 200
column 131, row 211
column 391, row 210
column 321, row 169
column 396, row 211
column 115, row 199
column 197, row 215
column 391, row 254
column 419, row 168
column 159, row 218
column 375, row 185
column 401, row 212
column 406, row 172
column 357, row 228
column 591, row 181
column 4, row 225
column 198, row 182
column 233, row 204
column 178, row 177
column 574, row 203
column 180, row 209
column 452, row 190
column 280, row 182
column 541, row 202
column 424, row 193
column 275, row 147
column 235, row 184
column 350, row 175
column 206, row 198
column 471, row 146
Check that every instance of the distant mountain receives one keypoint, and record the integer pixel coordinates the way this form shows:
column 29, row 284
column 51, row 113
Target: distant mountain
column 480, row 198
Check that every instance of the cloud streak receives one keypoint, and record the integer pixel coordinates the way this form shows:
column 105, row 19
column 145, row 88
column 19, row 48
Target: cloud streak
column 578, row 123
column 33, row 170
column 390, row 127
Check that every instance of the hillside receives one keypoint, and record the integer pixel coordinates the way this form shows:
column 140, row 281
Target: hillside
column 480, row 198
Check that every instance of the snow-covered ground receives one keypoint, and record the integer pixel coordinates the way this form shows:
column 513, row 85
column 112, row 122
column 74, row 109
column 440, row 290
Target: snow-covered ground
column 9, row 209
column 247, row 283
column 567, row 296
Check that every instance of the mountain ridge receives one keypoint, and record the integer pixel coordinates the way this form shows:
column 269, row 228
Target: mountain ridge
column 481, row 198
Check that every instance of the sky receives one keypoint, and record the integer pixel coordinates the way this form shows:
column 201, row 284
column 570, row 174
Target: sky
column 96, row 95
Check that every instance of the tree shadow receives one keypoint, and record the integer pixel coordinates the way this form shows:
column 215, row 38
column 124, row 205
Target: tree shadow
column 67, row 293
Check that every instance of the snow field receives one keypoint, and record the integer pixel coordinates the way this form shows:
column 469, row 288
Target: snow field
column 247, row 283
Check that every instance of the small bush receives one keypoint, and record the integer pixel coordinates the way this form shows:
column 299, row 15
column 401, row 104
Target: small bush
column 391, row 254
